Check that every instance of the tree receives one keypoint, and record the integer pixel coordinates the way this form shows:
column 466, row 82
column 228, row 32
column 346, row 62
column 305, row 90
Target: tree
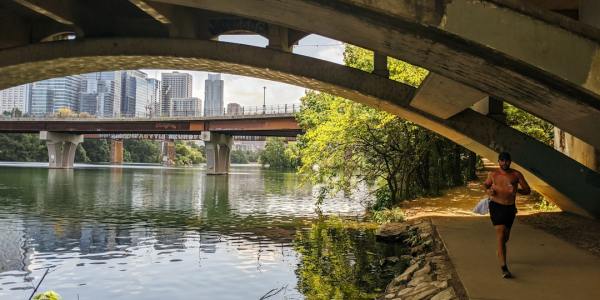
column 142, row 151
column 276, row 156
column 529, row 124
column 187, row 154
column 97, row 150
column 239, row 157
column 347, row 144
column 64, row 112
column 22, row 147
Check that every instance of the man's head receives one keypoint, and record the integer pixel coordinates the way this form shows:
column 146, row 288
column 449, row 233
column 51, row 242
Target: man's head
column 504, row 160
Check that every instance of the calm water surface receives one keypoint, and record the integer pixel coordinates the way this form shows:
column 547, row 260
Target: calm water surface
column 145, row 232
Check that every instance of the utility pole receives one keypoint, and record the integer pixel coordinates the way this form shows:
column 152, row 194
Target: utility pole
column 264, row 100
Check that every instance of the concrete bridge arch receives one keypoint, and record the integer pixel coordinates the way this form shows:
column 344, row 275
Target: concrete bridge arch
column 539, row 61
column 544, row 166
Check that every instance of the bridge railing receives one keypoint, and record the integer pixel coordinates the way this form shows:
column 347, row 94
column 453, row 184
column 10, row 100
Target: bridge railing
column 230, row 111
column 254, row 110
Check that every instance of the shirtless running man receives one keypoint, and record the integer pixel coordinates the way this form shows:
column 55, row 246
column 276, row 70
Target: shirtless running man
column 502, row 187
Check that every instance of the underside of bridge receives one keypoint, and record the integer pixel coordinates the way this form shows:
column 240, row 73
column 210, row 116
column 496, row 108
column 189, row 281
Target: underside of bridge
column 549, row 67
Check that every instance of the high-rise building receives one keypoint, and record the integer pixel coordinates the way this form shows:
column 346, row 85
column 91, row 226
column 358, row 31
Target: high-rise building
column 185, row 107
column 174, row 85
column 48, row 96
column 101, row 94
column 15, row 98
column 234, row 109
column 153, row 97
column 213, row 95
column 134, row 94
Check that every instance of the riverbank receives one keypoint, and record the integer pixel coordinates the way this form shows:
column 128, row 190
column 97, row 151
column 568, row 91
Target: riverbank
column 430, row 274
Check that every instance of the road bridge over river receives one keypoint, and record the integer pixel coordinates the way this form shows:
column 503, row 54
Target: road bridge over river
column 62, row 135
column 541, row 56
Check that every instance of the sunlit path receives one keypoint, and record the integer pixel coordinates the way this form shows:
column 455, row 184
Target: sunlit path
column 544, row 266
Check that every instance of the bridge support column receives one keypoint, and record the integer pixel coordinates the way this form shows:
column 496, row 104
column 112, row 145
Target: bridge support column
column 217, row 147
column 116, row 151
column 61, row 148
column 278, row 38
column 380, row 66
column 168, row 153
column 491, row 107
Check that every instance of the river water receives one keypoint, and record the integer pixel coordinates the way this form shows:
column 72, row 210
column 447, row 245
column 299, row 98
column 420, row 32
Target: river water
column 147, row 232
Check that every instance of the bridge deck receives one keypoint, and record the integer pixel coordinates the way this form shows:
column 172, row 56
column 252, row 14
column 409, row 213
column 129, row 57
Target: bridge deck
column 253, row 125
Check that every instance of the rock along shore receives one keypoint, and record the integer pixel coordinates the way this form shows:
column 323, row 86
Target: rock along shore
column 430, row 274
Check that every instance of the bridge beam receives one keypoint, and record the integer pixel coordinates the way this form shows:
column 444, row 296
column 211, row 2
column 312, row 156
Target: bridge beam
column 116, row 151
column 547, row 67
column 218, row 149
column 61, row 148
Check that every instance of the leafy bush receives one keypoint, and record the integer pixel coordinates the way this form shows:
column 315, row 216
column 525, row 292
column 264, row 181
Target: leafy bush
column 388, row 215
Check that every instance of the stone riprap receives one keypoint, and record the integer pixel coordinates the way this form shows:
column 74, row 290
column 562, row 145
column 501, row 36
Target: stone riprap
column 429, row 275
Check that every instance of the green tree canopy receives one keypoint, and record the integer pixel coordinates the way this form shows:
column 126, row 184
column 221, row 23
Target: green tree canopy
column 347, row 143
column 278, row 155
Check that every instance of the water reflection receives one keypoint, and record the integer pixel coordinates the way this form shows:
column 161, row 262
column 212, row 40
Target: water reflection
column 153, row 233
column 341, row 261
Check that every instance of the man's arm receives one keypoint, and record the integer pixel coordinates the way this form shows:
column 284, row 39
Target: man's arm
column 488, row 184
column 525, row 189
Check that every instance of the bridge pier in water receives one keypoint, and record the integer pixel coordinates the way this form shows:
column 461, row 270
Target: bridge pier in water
column 61, row 148
column 218, row 148
column 116, row 151
column 168, row 153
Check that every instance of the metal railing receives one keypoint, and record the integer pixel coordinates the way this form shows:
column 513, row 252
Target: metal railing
column 255, row 110
column 276, row 109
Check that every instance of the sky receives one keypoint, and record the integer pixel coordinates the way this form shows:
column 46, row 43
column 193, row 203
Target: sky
column 248, row 91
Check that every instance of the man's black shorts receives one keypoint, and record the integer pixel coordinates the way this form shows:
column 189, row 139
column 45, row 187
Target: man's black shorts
column 502, row 214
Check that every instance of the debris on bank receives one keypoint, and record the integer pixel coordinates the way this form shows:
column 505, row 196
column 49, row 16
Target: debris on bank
column 429, row 275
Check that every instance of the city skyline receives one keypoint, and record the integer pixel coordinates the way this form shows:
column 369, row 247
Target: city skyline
column 246, row 91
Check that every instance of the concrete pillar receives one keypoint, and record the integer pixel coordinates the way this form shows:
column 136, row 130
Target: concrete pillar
column 380, row 66
column 168, row 153
column 217, row 148
column 116, row 151
column 582, row 152
column 278, row 38
column 61, row 148
column 492, row 107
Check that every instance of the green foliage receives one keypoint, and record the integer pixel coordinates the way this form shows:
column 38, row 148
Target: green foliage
column 142, row 151
column 81, row 154
column 529, row 124
column 388, row 215
column 542, row 204
column 244, row 156
column 347, row 144
column 278, row 155
column 22, row 147
column 187, row 154
column 47, row 295
column 400, row 71
column 14, row 112
column 339, row 261
column 97, row 150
